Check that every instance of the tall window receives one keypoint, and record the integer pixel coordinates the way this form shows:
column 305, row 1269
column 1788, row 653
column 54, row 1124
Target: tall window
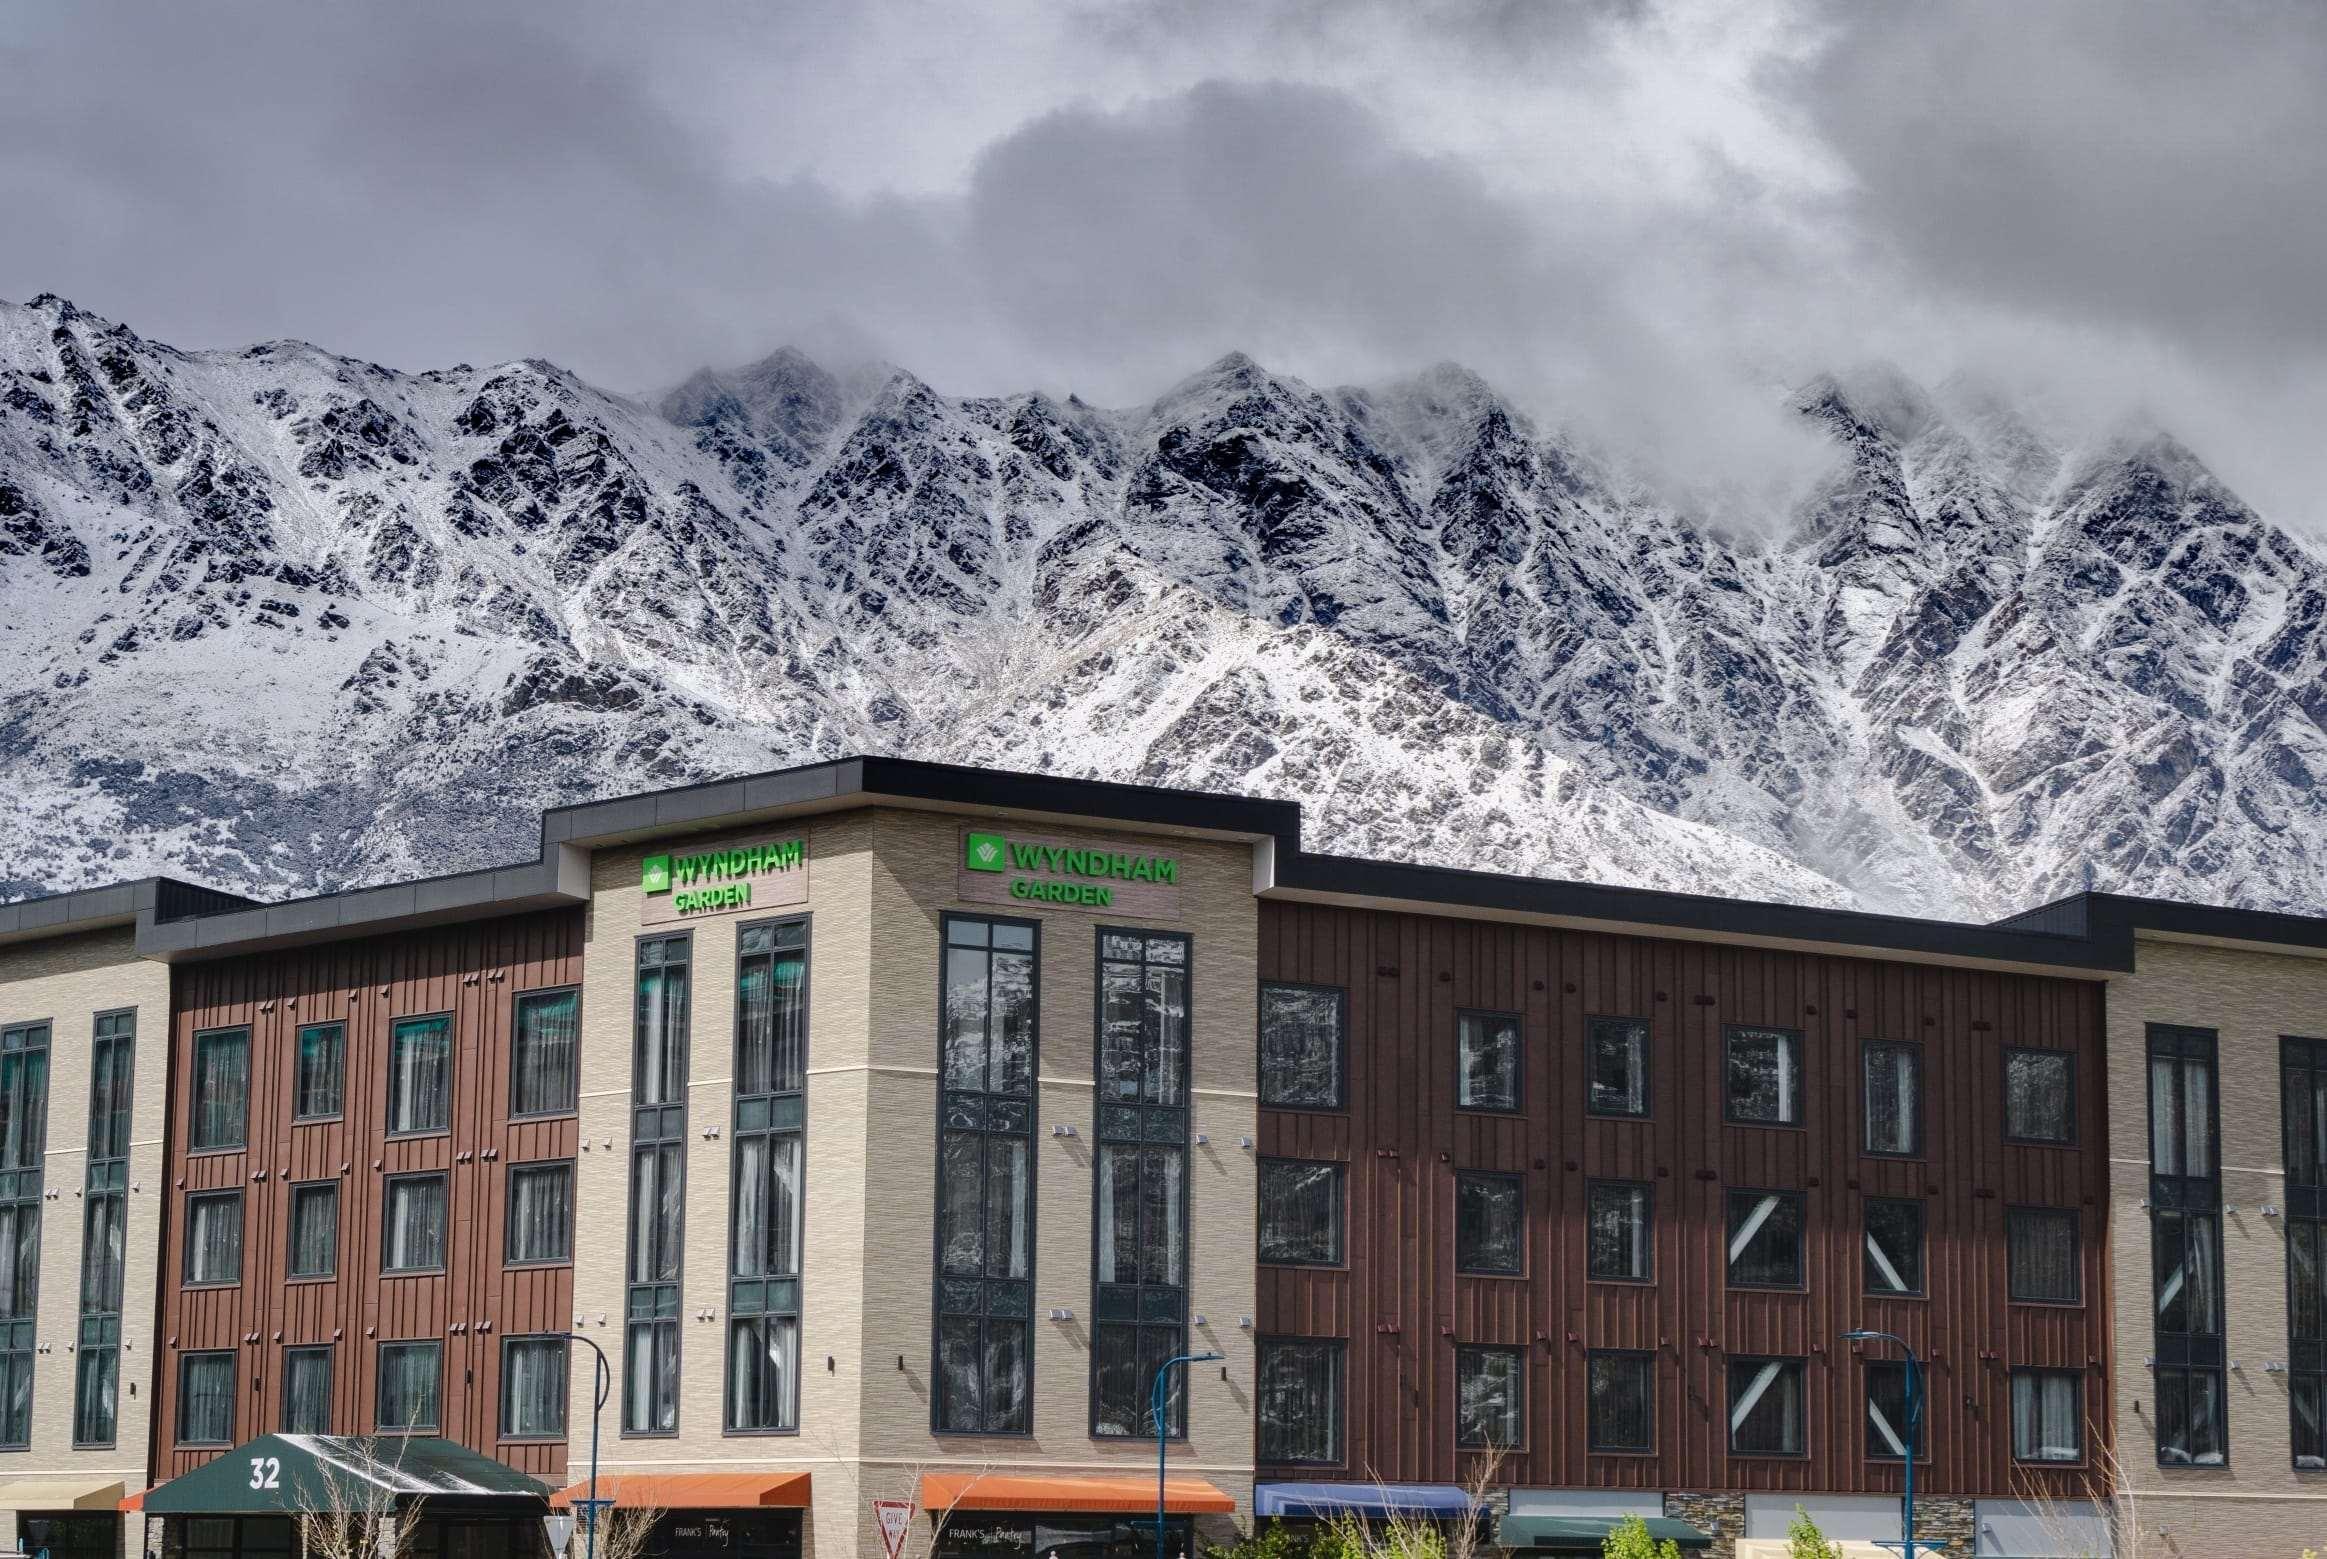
column 1894, row 1246
column 213, row 1238
column 1765, row 1239
column 2303, row 1098
column 319, row 1084
column 2185, row 1231
column 1764, row 1068
column 1140, row 1297
column 410, row 1387
column 2042, row 1262
column 1765, row 1407
column 1887, row 1428
column 2039, row 1096
column 221, row 1085
column 771, row 1076
column 1619, row 1063
column 1488, row 1052
column 1490, row 1397
column 206, row 1398
column 1617, row 1232
column 985, row 1177
column 315, row 1229
column 420, row 1074
column 23, row 1142
column 1301, row 1046
column 1301, row 1212
column 104, row 1231
column 1621, row 1415
column 658, row 1187
column 545, row 1053
column 2048, row 1423
column 413, row 1224
column 1891, row 1093
column 307, row 1390
column 540, row 1225
column 533, row 1388
column 1490, row 1224
column 1299, row 1412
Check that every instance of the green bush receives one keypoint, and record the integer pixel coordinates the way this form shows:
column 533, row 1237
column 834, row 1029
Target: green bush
column 1805, row 1541
column 1630, row 1540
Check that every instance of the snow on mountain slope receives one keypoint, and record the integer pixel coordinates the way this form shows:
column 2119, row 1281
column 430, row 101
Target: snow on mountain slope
column 282, row 620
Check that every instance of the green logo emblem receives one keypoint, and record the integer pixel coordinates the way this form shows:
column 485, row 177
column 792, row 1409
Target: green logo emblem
column 985, row 853
column 656, row 877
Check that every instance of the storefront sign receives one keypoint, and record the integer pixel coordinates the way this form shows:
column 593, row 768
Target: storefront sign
column 1035, row 871
column 728, row 878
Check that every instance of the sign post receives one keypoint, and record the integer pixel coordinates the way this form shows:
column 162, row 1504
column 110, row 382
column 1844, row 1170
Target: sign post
column 896, row 1518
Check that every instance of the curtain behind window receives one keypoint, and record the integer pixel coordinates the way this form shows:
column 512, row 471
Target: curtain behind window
column 416, row 1224
column 549, row 1031
column 322, row 1070
column 1891, row 1102
column 96, row 1385
column 206, row 1415
column 2041, row 1254
column 214, row 1239
column 19, row 1258
column 541, row 1204
column 762, row 1358
column 408, row 1383
column 2046, row 1426
column 533, row 1391
column 314, row 1230
column 307, row 1391
column 420, row 1075
column 221, row 1089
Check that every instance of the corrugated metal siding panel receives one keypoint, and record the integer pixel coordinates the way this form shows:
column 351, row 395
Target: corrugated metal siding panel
column 1402, row 1307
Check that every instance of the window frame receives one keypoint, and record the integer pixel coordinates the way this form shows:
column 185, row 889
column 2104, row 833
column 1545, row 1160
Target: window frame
column 2076, row 1223
column 298, row 1063
column 1645, row 1359
column 105, row 1173
column 635, row 1289
column 2069, row 1109
column 2012, row 1433
column 2187, row 1375
column 1918, row 1138
column 2302, row 1084
column 1647, row 1110
column 517, row 1001
column 1518, row 1104
column 1340, row 1259
column 1868, row 1369
column 186, row 1362
column 379, row 1375
column 1647, row 1230
column 2186, row 1356
column 766, row 1315
column 241, row 1143
column 452, row 1035
column 1341, row 1069
column 1337, row 1348
column 388, row 1184
column 510, row 1263
column 1518, row 1183
column 1798, row 1095
column 186, row 1278
column 1801, row 1369
column 1801, row 1201
column 291, row 1272
column 1515, row 1351
column 503, row 1434
column 1922, row 1288
column 330, row 1390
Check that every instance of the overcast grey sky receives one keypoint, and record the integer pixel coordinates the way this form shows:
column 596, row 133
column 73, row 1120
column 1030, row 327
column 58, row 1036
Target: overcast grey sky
column 1641, row 216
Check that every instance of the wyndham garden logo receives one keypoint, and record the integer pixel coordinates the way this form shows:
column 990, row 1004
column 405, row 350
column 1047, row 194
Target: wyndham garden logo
column 717, row 879
column 1035, row 869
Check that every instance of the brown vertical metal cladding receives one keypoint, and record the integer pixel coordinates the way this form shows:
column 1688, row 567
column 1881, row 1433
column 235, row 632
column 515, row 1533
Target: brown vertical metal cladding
column 475, row 972
column 1402, row 1307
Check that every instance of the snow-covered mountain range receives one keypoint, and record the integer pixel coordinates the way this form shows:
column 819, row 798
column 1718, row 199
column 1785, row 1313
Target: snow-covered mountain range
column 281, row 620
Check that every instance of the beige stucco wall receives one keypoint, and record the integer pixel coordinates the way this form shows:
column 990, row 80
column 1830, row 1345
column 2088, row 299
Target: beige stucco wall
column 2258, row 1504
column 878, row 882
column 67, row 981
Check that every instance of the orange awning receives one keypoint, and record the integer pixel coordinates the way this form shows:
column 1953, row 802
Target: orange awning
column 693, row 1490
column 135, row 1502
column 1067, row 1492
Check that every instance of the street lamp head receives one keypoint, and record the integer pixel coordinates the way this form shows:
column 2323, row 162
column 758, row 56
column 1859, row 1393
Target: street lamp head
column 1860, row 1336
column 1204, row 1358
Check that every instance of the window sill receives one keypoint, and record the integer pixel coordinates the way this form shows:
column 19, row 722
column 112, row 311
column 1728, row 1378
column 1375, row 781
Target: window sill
column 1648, row 1282
column 569, row 1112
column 419, row 1134
column 1731, row 1120
column 983, row 1434
column 1630, row 1453
column 220, row 1151
column 1736, row 1455
column 537, row 1266
column 411, row 1272
column 1768, row 1288
column 1915, row 1298
column 1641, row 1116
column 199, row 1288
column 532, row 1439
column 2041, row 1142
column 1918, row 1156
column 309, row 1279
column 1503, row 1277
column 2047, row 1304
column 1500, row 1111
column 320, row 1120
column 1303, row 1266
column 760, row 1434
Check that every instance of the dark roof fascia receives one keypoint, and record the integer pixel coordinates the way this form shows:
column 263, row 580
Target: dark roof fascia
column 84, row 909
column 1330, row 878
column 2115, row 917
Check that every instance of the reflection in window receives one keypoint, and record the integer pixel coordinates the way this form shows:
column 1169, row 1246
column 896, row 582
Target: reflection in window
column 1487, row 1051
column 1299, row 1412
column 1489, row 1225
column 1765, row 1239
column 2039, row 1096
column 1765, row 1407
column 1892, row 1095
column 1617, row 1232
column 661, row 1004
column 420, row 1074
column 1621, row 1415
column 1490, row 1397
column 1300, row 1212
column 2047, row 1416
column 1887, row 1429
column 1894, row 1246
column 1765, row 1076
column 2040, row 1255
column 771, row 1073
column 319, row 1083
column 1619, row 1062
column 1301, row 1046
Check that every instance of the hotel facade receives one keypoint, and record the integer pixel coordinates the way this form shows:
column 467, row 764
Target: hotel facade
column 873, row 1135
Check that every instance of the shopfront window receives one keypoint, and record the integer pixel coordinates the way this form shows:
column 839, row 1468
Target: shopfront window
column 1061, row 1537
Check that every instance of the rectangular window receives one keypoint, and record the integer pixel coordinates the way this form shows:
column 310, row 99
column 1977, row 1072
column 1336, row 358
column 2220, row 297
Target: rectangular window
column 1894, row 1246
column 1621, row 1415
column 658, row 1184
column 1490, row 1397
column 1301, row 1046
column 1765, row 1239
column 319, row 1083
column 545, row 1053
column 1764, row 1068
column 411, row 1376
column 1891, row 1094
column 315, row 1229
column 307, row 1390
column 2185, row 1234
column 2041, row 1256
column 1301, row 1212
column 221, row 1104
column 541, row 1214
column 533, row 1388
column 1490, row 1224
column 2039, row 1096
column 1487, row 1060
column 206, row 1398
column 2186, row 1250
column 413, row 1224
column 2190, row 1428
column 771, row 1074
column 2303, row 1096
column 1891, row 1421
column 1618, row 1239
column 2048, row 1421
column 985, row 1181
column 1139, row 1303
column 104, row 1229
column 1619, row 1063
column 24, row 1064
column 420, row 1075
column 1300, row 1414
column 214, row 1237
column 96, row 1395
column 2181, row 1103
column 1765, row 1407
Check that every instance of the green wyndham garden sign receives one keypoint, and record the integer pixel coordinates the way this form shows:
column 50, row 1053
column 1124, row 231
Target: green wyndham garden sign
column 717, row 879
column 1064, row 874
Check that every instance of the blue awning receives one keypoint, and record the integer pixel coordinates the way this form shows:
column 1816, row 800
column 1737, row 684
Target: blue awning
column 1438, row 1501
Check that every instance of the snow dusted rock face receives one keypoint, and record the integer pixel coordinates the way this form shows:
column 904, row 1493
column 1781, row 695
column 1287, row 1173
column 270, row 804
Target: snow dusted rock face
column 285, row 621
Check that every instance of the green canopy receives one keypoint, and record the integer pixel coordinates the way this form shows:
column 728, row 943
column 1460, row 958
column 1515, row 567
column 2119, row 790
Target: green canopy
column 284, row 1474
column 1585, row 1534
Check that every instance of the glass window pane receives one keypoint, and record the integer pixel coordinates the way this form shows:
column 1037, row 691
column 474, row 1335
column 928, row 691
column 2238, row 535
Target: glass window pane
column 545, row 1077
column 410, row 1375
column 1619, row 1066
column 2041, row 1255
column 314, row 1230
column 319, row 1086
column 1617, row 1237
column 1300, row 1046
column 206, row 1399
column 1299, row 1414
column 1894, row 1246
column 541, row 1213
column 1892, row 1095
column 1765, row 1076
column 2038, row 1102
column 1765, row 1407
column 307, row 1391
column 214, row 1237
column 414, row 1235
column 533, row 1387
column 221, row 1103
column 1888, row 1431
column 2047, row 1416
column 1765, row 1239
column 1300, row 1212
column 1489, row 1390
column 420, row 1074
column 1622, row 1409
column 1487, row 1048
column 1489, row 1226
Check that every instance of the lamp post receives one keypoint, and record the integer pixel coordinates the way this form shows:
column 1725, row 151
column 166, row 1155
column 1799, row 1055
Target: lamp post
column 602, row 1379
column 1161, row 1401
column 1914, row 1428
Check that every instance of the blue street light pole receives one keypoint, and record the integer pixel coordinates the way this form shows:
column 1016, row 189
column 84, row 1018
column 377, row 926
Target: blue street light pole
column 1914, row 1428
column 602, row 1378
column 1161, row 1402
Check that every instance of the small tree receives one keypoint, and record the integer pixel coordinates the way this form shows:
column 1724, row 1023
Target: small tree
column 349, row 1509
column 1805, row 1541
column 1629, row 1539
column 623, row 1531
